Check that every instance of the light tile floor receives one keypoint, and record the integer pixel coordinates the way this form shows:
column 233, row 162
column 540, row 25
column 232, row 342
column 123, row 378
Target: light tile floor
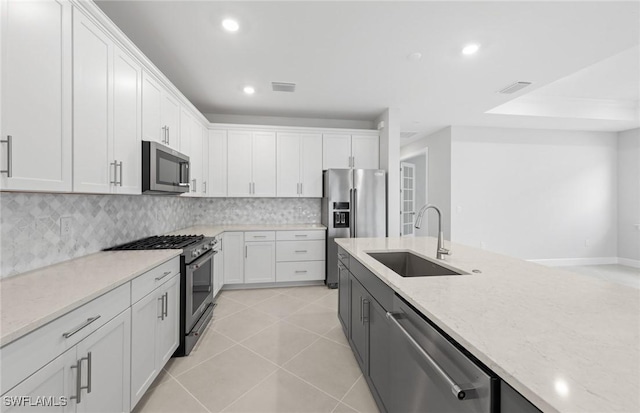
column 266, row 350
column 616, row 273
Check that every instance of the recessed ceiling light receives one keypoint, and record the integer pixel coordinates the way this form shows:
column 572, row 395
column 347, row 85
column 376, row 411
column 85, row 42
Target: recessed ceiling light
column 249, row 90
column 230, row 25
column 470, row 49
column 415, row 56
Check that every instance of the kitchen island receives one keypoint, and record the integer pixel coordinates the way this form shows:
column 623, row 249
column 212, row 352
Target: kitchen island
column 567, row 343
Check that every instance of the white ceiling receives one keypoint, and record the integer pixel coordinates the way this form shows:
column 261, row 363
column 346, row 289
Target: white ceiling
column 349, row 59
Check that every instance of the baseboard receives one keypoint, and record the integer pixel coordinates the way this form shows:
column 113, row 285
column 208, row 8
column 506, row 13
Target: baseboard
column 629, row 262
column 564, row 262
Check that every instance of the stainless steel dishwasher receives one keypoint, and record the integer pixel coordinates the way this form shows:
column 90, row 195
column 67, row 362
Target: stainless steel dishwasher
column 429, row 373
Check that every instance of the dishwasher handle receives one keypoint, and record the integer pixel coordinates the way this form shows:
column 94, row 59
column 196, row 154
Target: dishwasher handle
column 457, row 391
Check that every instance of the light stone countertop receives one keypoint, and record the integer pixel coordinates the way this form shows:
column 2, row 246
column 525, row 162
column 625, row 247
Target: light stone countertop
column 213, row 230
column 35, row 298
column 568, row 343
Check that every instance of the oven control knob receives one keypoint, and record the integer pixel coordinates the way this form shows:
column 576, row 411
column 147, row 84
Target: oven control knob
column 195, row 253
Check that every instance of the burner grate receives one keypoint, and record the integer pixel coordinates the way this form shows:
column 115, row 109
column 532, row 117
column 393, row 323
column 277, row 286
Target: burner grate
column 160, row 242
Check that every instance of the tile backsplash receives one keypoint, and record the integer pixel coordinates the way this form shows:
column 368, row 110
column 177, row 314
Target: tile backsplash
column 30, row 233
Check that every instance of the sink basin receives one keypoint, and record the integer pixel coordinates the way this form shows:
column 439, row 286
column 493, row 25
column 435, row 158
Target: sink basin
column 407, row 264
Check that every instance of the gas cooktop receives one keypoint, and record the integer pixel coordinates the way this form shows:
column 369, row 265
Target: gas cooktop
column 162, row 242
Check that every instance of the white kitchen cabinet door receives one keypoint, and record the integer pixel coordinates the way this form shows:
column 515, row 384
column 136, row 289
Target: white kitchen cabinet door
column 365, row 150
column 108, row 356
column 217, row 164
column 127, row 149
column 310, row 165
column 239, row 153
column 336, row 151
column 195, row 156
column 169, row 324
column 233, row 257
column 186, row 124
column 260, row 262
column 204, row 192
column 264, row 164
column 170, row 118
column 55, row 379
column 36, row 95
column 93, row 170
column 152, row 126
column 288, row 165
column 144, row 325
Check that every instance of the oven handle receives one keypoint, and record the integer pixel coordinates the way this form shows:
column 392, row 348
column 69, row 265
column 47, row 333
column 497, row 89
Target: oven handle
column 197, row 264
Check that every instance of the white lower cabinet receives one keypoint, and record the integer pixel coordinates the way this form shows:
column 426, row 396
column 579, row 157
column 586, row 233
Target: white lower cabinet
column 260, row 262
column 155, row 323
column 233, row 253
column 92, row 376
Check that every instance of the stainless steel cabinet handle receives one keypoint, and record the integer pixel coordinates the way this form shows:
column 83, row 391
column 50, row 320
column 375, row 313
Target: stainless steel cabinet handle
column 301, row 272
column 164, row 274
column 259, row 236
column 9, row 170
column 361, row 311
column 88, row 386
column 455, row 388
column 245, row 251
column 120, row 181
column 81, row 326
column 301, row 251
column 115, row 172
column 301, row 188
column 194, row 185
column 161, row 299
column 204, row 189
column 164, row 134
column 365, row 310
column 343, row 256
column 166, row 304
column 168, row 136
column 78, row 396
column 301, row 235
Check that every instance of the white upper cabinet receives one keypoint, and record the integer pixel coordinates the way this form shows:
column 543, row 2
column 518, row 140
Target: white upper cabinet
column 345, row 151
column 106, row 107
column 196, row 158
column 127, row 114
column 160, row 113
column 299, row 165
column 251, row 164
column 217, row 164
column 365, row 151
column 92, row 103
column 36, row 95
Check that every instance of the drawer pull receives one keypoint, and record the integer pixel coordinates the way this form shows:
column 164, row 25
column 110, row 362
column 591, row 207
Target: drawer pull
column 301, row 235
column 301, row 251
column 163, row 275
column 259, row 236
column 301, row 272
column 81, row 326
column 343, row 256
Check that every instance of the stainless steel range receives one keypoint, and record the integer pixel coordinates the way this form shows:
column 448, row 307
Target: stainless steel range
column 196, row 281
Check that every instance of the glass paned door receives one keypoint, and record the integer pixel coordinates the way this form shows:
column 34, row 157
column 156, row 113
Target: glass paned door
column 408, row 196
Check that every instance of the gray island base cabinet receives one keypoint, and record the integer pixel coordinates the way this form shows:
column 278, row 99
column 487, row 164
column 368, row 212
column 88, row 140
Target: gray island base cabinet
column 410, row 365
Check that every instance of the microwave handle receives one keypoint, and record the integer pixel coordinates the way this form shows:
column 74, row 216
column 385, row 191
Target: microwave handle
column 184, row 170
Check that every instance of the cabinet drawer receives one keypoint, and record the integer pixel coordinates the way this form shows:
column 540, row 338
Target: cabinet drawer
column 26, row 355
column 300, row 235
column 300, row 250
column 343, row 256
column 152, row 279
column 300, row 271
column 259, row 236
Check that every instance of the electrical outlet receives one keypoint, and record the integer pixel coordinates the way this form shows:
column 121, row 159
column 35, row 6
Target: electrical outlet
column 65, row 227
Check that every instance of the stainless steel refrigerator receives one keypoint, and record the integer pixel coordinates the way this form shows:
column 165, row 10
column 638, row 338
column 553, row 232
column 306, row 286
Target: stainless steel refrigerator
column 354, row 205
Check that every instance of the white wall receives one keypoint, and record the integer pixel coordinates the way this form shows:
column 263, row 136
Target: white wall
column 535, row 194
column 439, row 176
column 629, row 196
column 420, row 163
column 287, row 121
column 390, row 161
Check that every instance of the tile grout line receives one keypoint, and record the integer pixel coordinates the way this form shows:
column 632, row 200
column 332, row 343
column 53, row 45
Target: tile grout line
column 190, row 394
column 253, row 387
column 351, row 388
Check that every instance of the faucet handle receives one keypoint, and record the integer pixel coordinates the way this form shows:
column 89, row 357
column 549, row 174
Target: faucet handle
column 444, row 251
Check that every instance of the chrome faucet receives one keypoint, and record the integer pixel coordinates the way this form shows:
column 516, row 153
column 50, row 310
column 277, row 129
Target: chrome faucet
column 441, row 251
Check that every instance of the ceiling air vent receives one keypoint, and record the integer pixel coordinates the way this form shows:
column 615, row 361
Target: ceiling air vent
column 283, row 87
column 407, row 135
column 513, row 88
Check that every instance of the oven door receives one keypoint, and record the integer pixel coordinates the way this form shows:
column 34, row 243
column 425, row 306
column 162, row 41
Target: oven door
column 199, row 288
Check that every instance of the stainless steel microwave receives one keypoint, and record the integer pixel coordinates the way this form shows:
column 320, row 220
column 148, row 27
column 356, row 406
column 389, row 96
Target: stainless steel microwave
column 165, row 171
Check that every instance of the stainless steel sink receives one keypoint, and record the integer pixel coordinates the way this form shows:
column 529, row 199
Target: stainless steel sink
column 407, row 264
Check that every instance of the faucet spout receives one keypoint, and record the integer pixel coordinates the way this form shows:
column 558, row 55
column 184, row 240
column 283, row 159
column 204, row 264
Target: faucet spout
column 441, row 251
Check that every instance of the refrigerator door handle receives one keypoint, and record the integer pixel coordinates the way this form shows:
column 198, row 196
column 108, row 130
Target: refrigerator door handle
column 351, row 234
column 355, row 214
